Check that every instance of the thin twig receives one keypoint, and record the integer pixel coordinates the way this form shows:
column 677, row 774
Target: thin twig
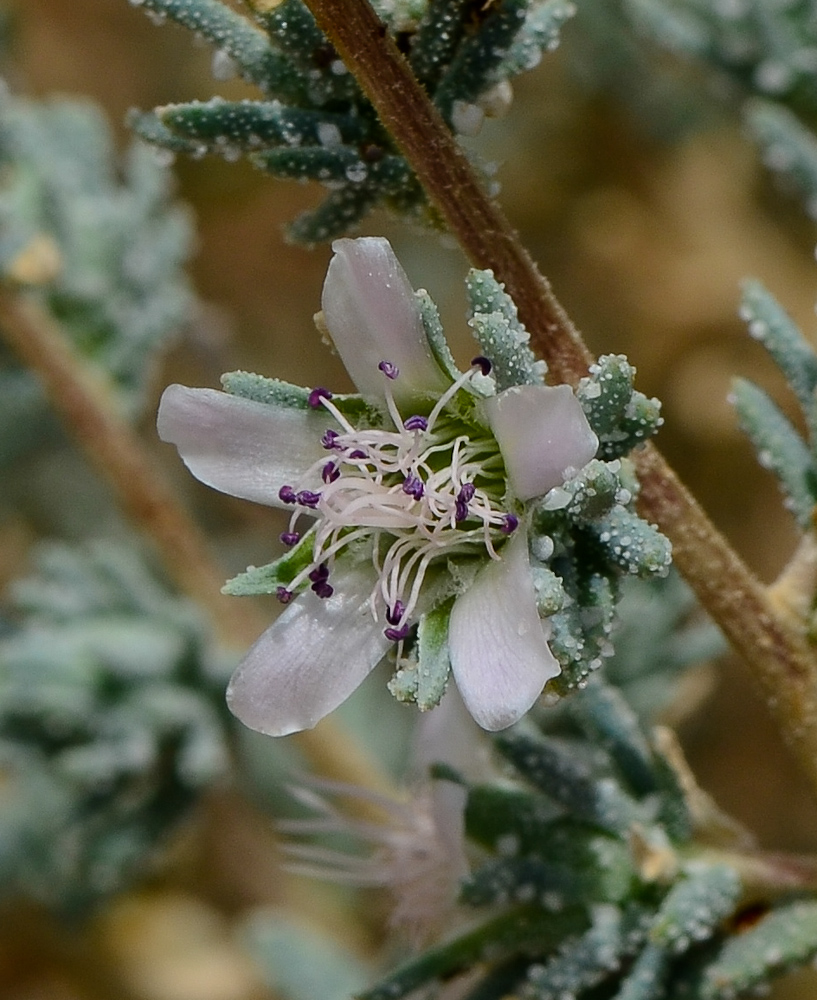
column 85, row 400
column 780, row 658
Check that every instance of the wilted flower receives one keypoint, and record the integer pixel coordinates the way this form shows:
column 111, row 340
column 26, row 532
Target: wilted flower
column 416, row 851
column 418, row 490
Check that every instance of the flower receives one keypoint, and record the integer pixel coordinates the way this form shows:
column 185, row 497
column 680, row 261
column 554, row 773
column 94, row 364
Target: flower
column 419, row 489
column 412, row 843
column 416, row 851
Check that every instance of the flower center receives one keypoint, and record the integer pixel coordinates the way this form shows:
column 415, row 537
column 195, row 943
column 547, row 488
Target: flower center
column 426, row 489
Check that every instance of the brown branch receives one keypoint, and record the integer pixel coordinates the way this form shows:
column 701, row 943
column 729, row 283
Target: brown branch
column 85, row 401
column 780, row 658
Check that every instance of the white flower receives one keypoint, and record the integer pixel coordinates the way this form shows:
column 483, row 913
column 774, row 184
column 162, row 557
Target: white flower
column 418, row 489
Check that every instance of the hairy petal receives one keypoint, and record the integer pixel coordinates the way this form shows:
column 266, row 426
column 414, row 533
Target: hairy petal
column 372, row 315
column 311, row 659
column 541, row 430
column 238, row 446
column 499, row 655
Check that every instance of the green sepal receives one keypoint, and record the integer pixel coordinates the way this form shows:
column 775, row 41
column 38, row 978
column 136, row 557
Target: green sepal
column 432, row 324
column 521, row 930
column 581, row 630
column 621, row 416
column 694, row 907
column 771, row 325
column 275, row 392
column 261, row 389
column 590, row 494
column 280, row 573
column 554, row 768
column 249, row 125
column 632, row 544
column 573, row 864
column 501, row 336
column 784, row 938
column 778, row 446
column 424, row 681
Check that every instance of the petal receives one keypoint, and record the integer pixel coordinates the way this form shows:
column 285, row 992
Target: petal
column 541, row 430
column 499, row 655
column 311, row 659
column 372, row 315
column 238, row 446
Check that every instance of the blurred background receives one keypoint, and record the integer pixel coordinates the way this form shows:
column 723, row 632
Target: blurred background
column 645, row 217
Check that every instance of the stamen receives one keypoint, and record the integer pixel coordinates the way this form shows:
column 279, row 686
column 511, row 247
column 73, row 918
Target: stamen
column 289, row 538
column 413, row 486
column 464, row 497
column 330, row 472
column 482, row 363
column 389, row 370
column 397, row 634
column 357, row 453
column 330, row 440
column 416, row 423
column 306, row 498
column 284, row 595
column 510, row 522
column 317, row 395
column 395, row 613
column 319, row 577
column 287, row 495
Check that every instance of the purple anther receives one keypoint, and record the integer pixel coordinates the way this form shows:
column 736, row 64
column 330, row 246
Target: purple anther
column 287, row 495
column 397, row 634
column 465, row 495
column 319, row 577
column 330, row 472
column 413, row 486
column 416, row 423
column 317, row 394
column 284, row 595
column 482, row 363
column 357, row 453
column 306, row 498
column 395, row 613
column 330, row 440
column 510, row 522
column 388, row 369
column 289, row 538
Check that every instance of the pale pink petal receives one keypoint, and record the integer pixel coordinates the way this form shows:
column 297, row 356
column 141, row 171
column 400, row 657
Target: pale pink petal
column 238, row 446
column 311, row 659
column 541, row 430
column 372, row 315
column 499, row 655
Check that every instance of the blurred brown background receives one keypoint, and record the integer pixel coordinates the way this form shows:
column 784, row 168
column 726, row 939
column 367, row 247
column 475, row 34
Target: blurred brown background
column 645, row 244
